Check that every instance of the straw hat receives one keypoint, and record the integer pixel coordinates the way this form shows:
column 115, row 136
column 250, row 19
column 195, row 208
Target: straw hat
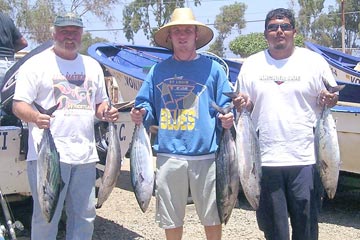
column 183, row 16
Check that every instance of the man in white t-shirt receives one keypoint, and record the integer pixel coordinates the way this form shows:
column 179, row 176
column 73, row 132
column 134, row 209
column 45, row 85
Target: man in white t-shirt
column 60, row 75
column 284, row 90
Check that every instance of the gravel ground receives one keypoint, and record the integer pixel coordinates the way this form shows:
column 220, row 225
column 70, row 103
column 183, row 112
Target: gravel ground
column 121, row 218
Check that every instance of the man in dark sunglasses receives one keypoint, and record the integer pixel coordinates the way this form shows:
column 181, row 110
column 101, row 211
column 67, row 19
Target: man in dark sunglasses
column 280, row 33
column 283, row 88
column 283, row 26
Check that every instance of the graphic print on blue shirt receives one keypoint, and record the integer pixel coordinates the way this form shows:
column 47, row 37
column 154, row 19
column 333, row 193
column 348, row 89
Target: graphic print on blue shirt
column 180, row 100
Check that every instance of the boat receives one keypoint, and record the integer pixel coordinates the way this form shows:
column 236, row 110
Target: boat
column 13, row 137
column 7, row 87
column 345, row 68
column 347, row 118
column 14, row 134
column 129, row 65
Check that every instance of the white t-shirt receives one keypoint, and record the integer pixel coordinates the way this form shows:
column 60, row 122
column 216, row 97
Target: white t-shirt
column 284, row 93
column 78, row 85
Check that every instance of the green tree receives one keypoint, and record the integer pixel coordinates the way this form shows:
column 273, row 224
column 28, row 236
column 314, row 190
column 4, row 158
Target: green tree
column 325, row 26
column 230, row 16
column 352, row 22
column 217, row 47
column 36, row 17
column 87, row 41
column 148, row 16
column 246, row 45
column 249, row 44
column 309, row 11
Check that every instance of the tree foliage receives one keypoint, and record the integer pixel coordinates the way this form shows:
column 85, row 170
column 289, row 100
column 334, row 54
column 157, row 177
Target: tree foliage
column 249, row 44
column 36, row 17
column 309, row 11
column 246, row 45
column 217, row 47
column 148, row 16
column 87, row 41
column 325, row 25
column 313, row 23
column 230, row 16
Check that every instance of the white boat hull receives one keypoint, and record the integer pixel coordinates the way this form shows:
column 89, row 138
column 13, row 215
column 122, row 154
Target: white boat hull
column 348, row 129
column 13, row 176
column 128, row 86
column 342, row 76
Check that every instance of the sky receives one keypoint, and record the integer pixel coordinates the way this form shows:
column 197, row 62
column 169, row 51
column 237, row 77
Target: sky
column 254, row 16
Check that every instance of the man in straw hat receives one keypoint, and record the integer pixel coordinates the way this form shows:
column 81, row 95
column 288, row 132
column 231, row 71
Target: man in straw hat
column 177, row 96
column 49, row 79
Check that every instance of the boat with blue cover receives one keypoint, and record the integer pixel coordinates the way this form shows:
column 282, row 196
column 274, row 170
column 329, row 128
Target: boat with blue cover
column 129, row 64
column 345, row 68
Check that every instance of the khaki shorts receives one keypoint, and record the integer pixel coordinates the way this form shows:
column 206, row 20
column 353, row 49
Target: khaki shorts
column 174, row 177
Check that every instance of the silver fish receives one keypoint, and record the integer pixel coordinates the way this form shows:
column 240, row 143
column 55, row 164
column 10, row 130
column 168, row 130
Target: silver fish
column 141, row 167
column 248, row 155
column 49, row 181
column 327, row 150
column 227, row 172
column 112, row 166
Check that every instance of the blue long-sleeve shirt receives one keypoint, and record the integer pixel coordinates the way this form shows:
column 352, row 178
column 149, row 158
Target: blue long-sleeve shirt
column 177, row 96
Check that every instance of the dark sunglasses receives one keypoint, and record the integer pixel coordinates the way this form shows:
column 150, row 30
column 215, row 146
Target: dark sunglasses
column 284, row 27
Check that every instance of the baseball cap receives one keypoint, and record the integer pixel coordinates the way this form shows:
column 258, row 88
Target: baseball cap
column 68, row 19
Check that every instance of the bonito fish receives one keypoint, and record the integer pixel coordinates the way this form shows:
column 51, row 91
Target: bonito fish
column 49, row 181
column 227, row 172
column 248, row 155
column 141, row 167
column 112, row 166
column 327, row 148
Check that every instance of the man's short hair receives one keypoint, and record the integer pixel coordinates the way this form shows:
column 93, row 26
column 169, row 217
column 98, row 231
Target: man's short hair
column 280, row 13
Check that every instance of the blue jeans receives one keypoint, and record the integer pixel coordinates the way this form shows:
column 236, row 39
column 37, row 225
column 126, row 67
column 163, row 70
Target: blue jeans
column 293, row 192
column 78, row 195
column 4, row 66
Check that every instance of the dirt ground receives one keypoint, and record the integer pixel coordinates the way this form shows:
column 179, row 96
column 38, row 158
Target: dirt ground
column 121, row 218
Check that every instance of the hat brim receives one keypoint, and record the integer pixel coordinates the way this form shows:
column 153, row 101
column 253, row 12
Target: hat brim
column 204, row 34
column 69, row 25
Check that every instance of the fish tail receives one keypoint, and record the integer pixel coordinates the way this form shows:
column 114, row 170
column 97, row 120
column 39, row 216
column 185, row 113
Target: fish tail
column 235, row 93
column 223, row 110
column 49, row 111
column 330, row 88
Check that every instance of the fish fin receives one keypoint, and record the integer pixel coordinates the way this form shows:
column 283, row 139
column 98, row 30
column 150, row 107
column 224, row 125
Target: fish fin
column 323, row 164
column 253, row 168
column 62, row 184
column 98, row 205
column 128, row 152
